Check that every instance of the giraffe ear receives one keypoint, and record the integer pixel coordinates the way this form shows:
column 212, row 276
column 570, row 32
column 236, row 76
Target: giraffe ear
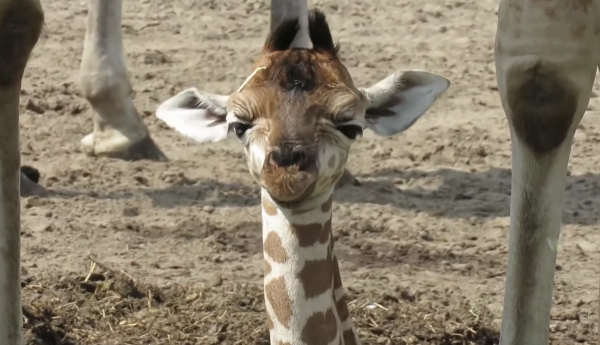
column 398, row 101
column 200, row 116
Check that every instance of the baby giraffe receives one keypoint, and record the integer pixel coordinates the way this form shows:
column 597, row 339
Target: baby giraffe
column 297, row 116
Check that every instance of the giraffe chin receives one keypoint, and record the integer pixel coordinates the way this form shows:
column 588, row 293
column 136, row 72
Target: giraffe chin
column 289, row 190
column 290, row 204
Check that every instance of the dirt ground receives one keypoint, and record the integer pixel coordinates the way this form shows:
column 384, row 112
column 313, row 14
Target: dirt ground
column 422, row 242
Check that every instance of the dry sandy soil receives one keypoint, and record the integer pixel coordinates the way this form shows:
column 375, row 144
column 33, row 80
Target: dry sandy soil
column 423, row 241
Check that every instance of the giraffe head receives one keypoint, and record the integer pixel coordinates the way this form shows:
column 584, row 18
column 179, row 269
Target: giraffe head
column 298, row 114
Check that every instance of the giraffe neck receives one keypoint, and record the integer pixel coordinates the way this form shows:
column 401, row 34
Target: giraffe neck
column 304, row 296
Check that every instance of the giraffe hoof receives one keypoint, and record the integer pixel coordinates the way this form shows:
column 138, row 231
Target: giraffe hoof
column 119, row 147
column 31, row 173
column 347, row 179
column 29, row 182
column 143, row 149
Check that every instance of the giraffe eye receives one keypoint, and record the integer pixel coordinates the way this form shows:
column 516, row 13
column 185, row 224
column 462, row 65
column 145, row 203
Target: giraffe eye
column 239, row 128
column 351, row 131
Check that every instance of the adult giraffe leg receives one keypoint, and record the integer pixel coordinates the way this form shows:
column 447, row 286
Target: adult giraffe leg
column 29, row 186
column 20, row 26
column 545, row 72
column 290, row 9
column 118, row 129
column 599, row 286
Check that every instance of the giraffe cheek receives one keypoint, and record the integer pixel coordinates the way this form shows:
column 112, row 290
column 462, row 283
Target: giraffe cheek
column 256, row 157
column 343, row 159
column 328, row 160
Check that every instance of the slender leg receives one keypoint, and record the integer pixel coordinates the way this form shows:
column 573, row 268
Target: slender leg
column 536, row 204
column 545, row 84
column 20, row 26
column 538, row 183
column 118, row 129
column 286, row 9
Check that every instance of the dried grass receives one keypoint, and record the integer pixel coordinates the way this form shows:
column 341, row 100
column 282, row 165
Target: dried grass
column 107, row 306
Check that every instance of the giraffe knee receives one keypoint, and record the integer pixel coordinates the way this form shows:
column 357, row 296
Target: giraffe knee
column 20, row 27
column 543, row 105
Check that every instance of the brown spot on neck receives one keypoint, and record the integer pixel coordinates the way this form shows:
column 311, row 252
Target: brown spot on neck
column 320, row 328
column 267, row 268
column 340, row 304
column 269, row 208
column 276, row 293
column 273, row 248
column 316, row 276
column 309, row 234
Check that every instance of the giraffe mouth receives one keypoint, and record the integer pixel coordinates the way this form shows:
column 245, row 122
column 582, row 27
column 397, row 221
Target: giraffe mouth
column 289, row 187
column 296, row 201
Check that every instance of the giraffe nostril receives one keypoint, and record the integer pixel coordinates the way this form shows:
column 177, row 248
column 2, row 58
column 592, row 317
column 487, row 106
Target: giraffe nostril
column 285, row 157
column 298, row 157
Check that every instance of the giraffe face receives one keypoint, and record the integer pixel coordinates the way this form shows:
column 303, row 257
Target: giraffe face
column 299, row 113
column 297, row 119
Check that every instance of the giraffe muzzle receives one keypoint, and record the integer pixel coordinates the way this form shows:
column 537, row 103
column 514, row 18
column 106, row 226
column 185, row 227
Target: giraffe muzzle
column 288, row 175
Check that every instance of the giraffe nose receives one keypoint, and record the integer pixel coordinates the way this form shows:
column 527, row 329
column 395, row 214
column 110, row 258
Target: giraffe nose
column 288, row 156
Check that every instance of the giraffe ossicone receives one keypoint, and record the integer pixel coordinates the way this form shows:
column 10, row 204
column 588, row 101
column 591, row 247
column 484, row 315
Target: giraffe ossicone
column 297, row 118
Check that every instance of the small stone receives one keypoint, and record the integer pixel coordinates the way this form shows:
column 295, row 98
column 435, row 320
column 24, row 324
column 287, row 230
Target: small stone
column 131, row 212
column 34, row 201
column 425, row 236
column 33, row 106
column 43, row 228
column 459, row 267
column 586, row 246
column 215, row 281
column 191, row 298
column 377, row 331
column 407, row 296
column 212, row 340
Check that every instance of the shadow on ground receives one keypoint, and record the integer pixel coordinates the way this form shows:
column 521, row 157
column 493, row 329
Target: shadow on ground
column 459, row 194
